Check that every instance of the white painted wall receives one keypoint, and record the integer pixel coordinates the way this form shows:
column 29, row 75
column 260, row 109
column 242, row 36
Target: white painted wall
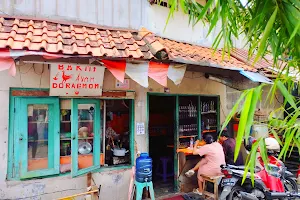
column 132, row 14
column 115, row 13
column 114, row 183
column 264, row 104
column 178, row 27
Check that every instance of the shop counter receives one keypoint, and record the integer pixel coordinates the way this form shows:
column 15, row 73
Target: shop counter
column 186, row 151
column 186, row 161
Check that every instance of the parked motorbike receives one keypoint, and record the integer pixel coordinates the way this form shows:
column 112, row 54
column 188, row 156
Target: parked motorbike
column 274, row 182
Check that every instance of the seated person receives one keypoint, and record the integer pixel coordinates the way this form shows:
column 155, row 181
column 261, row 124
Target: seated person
column 229, row 147
column 210, row 164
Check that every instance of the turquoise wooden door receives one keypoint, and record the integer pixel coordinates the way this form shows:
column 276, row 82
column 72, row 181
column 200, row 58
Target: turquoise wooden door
column 85, row 130
column 37, row 131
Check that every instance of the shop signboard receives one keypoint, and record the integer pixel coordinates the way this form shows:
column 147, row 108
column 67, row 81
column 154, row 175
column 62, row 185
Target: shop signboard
column 76, row 80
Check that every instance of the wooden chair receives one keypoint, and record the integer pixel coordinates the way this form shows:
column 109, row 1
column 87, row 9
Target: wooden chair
column 215, row 181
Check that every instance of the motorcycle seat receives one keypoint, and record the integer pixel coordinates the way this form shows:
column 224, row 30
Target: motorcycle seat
column 242, row 167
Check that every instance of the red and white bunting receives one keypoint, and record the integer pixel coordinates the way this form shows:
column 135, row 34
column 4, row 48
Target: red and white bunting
column 158, row 72
column 117, row 68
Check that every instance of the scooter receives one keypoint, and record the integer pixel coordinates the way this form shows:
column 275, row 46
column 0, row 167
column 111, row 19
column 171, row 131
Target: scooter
column 268, row 184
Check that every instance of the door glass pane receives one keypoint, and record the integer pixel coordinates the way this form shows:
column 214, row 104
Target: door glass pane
column 85, row 135
column 65, row 129
column 37, row 136
column 65, row 135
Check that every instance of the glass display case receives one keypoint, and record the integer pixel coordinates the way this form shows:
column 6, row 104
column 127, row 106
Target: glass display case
column 188, row 120
column 197, row 116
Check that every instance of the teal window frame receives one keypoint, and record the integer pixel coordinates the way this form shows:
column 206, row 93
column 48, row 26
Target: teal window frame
column 74, row 136
column 13, row 169
column 53, row 136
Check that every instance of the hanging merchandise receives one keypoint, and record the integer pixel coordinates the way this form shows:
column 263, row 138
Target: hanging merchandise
column 117, row 68
column 159, row 72
column 176, row 73
column 138, row 73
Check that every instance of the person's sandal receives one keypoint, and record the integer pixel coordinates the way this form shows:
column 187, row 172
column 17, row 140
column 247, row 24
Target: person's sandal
column 190, row 173
column 196, row 191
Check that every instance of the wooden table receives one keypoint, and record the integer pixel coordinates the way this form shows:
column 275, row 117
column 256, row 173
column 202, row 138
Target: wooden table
column 186, row 161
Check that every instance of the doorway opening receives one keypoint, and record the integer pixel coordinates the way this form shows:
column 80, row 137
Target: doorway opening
column 161, row 142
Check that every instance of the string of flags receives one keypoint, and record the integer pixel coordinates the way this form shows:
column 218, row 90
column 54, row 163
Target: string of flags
column 138, row 72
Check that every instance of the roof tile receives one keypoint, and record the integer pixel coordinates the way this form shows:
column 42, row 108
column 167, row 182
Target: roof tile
column 194, row 54
column 37, row 35
column 52, row 37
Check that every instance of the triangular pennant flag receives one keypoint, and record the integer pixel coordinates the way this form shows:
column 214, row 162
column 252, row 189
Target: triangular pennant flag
column 138, row 73
column 176, row 73
column 159, row 72
column 50, row 56
column 117, row 68
column 8, row 64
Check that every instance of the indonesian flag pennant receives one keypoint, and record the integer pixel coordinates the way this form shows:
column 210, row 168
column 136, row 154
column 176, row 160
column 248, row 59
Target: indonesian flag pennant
column 117, row 68
column 138, row 73
column 7, row 62
column 52, row 56
column 7, row 57
column 159, row 72
column 176, row 73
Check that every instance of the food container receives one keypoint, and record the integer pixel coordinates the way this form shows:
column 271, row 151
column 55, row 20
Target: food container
column 119, row 151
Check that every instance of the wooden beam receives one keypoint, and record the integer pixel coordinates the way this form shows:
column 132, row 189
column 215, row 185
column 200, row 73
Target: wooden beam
column 77, row 195
column 39, row 93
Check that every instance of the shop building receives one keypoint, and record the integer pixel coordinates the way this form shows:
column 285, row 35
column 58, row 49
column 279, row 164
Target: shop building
column 64, row 106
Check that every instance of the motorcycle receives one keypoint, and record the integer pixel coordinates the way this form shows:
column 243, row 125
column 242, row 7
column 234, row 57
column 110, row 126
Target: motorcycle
column 272, row 182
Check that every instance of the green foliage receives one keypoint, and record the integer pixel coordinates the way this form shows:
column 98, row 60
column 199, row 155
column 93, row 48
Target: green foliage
column 286, row 129
column 270, row 27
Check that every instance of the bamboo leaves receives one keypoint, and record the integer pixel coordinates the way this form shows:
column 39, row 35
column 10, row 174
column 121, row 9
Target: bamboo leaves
column 247, row 116
column 243, row 123
column 271, row 27
column 266, row 34
column 268, row 25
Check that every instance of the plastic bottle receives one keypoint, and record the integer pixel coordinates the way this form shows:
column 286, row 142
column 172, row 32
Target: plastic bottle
column 143, row 168
column 191, row 142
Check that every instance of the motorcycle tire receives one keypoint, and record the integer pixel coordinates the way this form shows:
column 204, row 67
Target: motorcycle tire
column 293, row 183
column 234, row 191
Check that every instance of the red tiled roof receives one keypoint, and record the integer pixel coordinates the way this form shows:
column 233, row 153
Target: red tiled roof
column 37, row 35
column 192, row 54
column 62, row 38
column 264, row 65
column 242, row 55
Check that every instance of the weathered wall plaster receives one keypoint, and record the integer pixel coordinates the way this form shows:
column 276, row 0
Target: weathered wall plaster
column 114, row 183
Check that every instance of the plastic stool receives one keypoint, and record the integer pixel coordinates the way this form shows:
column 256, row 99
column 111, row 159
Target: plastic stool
column 139, row 187
column 215, row 181
column 164, row 174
